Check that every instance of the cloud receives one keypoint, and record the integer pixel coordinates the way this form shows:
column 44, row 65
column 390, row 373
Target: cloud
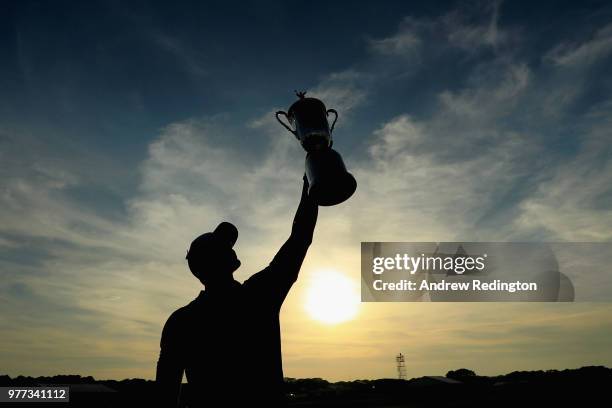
column 405, row 42
column 437, row 176
column 469, row 29
column 189, row 179
column 468, row 36
column 343, row 91
column 574, row 204
column 33, row 195
column 499, row 87
column 573, row 54
column 493, row 137
column 188, row 58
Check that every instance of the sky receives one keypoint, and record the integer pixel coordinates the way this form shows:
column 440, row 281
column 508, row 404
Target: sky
column 127, row 129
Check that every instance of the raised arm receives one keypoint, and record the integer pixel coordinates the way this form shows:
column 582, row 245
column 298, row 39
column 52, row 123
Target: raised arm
column 291, row 255
column 277, row 278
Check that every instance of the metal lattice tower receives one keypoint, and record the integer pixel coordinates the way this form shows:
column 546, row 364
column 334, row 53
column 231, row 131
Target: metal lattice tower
column 401, row 366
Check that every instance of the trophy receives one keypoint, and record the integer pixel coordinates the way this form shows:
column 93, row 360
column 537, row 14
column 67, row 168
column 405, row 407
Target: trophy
column 329, row 181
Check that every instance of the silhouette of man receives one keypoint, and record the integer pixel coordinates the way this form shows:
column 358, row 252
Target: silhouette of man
column 227, row 340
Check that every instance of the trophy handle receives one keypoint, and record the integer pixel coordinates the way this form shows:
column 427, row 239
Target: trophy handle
column 283, row 123
column 335, row 118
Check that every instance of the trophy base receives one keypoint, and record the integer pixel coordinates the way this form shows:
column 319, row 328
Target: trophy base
column 330, row 183
column 327, row 194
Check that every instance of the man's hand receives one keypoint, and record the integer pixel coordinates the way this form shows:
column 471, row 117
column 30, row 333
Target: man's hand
column 305, row 187
column 305, row 216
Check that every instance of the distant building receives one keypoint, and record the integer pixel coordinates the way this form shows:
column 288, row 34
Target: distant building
column 433, row 380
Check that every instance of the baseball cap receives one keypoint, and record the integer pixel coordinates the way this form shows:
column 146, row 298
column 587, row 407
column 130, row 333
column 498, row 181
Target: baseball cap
column 225, row 235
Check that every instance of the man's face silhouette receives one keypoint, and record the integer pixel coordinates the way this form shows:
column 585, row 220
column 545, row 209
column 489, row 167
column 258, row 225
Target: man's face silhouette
column 226, row 262
column 211, row 257
column 213, row 264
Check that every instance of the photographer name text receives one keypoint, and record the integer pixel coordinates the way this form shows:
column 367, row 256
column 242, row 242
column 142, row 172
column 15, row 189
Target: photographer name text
column 473, row 285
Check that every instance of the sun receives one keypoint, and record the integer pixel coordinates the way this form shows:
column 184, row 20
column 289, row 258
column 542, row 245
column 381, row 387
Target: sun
column 332, row 298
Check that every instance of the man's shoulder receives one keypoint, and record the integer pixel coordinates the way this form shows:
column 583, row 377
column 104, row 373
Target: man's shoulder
column 181, row 314
column 257, row 279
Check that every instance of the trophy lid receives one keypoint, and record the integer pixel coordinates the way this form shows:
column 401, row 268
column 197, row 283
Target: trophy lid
column 305, row 103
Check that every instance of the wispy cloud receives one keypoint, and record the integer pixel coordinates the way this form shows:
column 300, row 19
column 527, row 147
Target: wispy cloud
column 187, row 57
column 406, row 42
column 344, row 91
column 470, row 36
column 583, row 53
column 469, row 29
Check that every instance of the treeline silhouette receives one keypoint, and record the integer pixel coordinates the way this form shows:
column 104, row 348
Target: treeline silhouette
column 459, row 388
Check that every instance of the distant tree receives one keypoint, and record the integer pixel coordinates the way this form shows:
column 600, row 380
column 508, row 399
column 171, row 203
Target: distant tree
column 460, row 374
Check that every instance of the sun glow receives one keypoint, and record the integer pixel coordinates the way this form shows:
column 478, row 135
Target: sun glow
column 332, row 298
